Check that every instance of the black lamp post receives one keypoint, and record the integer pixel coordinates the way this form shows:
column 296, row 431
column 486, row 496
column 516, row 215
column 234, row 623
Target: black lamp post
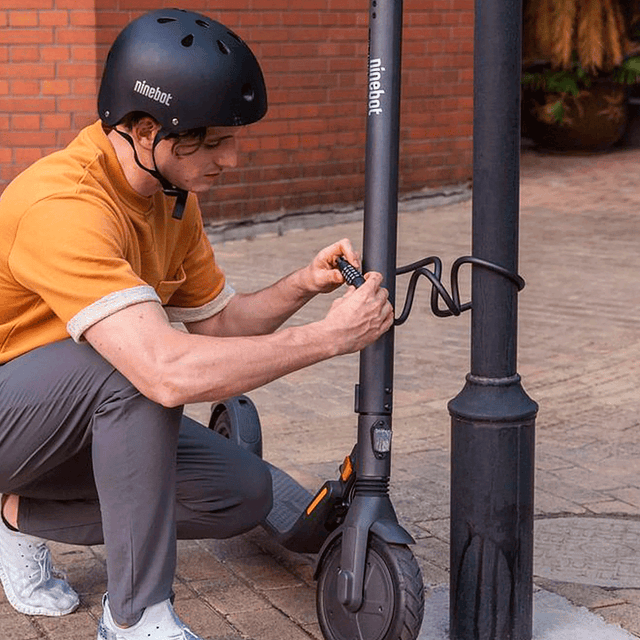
column 492, row 453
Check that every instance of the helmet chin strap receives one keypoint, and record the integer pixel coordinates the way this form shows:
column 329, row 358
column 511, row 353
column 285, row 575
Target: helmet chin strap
column 167, row 188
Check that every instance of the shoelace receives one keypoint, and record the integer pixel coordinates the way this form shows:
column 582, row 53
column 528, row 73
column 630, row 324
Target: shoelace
column 43, row 557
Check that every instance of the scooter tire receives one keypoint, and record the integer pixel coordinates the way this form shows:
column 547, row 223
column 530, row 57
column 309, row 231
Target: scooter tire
column 237, row 419
column 393, row 604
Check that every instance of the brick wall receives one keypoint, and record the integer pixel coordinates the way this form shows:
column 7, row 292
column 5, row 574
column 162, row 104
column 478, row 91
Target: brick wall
column 309, row 151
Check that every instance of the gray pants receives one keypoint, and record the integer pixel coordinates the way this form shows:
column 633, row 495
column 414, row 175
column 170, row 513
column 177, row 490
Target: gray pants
column 94, row 462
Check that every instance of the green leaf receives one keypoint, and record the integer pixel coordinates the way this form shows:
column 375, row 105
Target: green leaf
column 563, row 83
column 557, row 109
column 628, row 71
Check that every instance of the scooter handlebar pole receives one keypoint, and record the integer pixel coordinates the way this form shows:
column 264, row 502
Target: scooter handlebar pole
column 381, row 190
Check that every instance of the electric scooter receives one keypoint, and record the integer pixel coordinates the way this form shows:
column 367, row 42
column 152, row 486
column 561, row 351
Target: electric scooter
column 369, row 585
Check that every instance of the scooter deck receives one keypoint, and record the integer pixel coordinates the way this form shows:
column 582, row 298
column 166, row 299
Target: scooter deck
column 299, row 520
column 302, row 521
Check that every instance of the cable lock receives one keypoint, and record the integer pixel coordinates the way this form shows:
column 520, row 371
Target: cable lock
column 452, row 301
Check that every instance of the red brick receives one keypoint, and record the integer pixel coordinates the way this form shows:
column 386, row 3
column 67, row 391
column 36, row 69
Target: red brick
column 56, row 121
column 54, row 53
column 112, row 18
column 25, row 36
column 83, row 18
column 55, row 87
column 84, row 86
column 27, row 156
column 80, row 121
column 76, row 35
column 26, row 70
column 33, row 4
column 53, row 18
column 24, row 87
column 24, row 121
column 34, row 139
column 83, row 53
column 78, row 69
column 28, row 53
column 32, row 105
column 77, row 105
column 23, row 18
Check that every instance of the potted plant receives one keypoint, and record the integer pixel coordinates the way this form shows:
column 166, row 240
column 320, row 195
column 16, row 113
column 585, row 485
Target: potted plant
column 579, row 58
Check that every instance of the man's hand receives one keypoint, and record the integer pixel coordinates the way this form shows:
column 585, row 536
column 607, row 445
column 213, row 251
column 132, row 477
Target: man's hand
column 322, row 275
column 360, row 317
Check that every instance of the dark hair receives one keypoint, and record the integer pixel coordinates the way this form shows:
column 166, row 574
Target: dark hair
column 191, row 138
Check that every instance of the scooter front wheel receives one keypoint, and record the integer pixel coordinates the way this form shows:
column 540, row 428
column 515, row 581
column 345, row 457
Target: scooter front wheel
column 393, row 603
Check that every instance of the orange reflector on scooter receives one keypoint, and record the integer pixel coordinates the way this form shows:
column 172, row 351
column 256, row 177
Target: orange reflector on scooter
column 317, row 500
column 347, row 469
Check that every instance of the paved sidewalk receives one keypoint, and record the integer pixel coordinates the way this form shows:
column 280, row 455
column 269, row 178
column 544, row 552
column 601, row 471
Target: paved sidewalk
column 579, row 356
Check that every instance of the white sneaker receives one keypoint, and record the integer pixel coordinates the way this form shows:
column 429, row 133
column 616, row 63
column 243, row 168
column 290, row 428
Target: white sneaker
column 158, row 622
column 26, row 575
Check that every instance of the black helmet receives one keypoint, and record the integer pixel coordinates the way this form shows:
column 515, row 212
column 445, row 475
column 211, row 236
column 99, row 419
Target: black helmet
column 183, row 69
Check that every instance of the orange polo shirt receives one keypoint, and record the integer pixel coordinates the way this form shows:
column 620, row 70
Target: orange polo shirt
column 78, row 244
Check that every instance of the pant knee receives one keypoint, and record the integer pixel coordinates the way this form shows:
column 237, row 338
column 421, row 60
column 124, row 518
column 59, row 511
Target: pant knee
column 258, row 491
column 224, row 511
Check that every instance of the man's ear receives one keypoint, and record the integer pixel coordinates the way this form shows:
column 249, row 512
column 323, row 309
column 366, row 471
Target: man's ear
column 144, row 132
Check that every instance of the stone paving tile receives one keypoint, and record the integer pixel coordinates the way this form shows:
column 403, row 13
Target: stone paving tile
column 612, row 507
column 15, row 626
column 626, row 615
column 546, row 503
column 263, row 572
column 229, row 594
column 299, row 603
column 79, row 626
column 268, row 625
column 204, row 621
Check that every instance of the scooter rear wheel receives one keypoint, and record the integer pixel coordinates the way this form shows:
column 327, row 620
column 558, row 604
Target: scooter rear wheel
column 237, row 419
column 393, row 603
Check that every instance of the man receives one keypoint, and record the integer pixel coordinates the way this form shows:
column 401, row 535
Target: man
column 101, row 247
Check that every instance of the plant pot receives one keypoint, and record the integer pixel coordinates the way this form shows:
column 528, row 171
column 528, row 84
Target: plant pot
column 594, row 120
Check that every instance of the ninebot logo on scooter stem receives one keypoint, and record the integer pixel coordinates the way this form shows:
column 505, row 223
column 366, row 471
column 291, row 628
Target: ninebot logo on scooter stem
column 375, row 84
column 156, row 93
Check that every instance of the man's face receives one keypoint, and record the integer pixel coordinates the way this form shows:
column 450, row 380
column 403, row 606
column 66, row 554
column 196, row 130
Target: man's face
column 194, row 165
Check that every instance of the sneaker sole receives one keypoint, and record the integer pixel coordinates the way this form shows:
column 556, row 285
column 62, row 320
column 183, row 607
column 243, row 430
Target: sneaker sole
column 30, row 611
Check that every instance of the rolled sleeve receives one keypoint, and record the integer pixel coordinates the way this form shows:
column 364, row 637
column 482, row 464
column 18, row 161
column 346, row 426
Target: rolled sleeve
column 196, row 314
column 107, row 306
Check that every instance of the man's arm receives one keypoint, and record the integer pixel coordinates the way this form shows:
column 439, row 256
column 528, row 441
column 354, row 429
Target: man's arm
column 264, row 311
column 172, row 367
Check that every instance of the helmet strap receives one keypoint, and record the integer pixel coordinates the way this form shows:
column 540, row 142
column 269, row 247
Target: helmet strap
column 167, row 187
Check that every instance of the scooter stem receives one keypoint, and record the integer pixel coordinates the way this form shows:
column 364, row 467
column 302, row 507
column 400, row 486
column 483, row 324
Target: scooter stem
column 371, row 507
column 381, row 190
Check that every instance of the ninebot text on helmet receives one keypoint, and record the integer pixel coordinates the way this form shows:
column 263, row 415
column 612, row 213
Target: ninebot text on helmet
column 375, row 91
column 154, row 93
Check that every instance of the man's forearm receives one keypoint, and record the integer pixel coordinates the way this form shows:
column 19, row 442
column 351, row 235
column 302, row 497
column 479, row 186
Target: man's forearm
column 261, row 312
column 172, row 367
column 220, row 368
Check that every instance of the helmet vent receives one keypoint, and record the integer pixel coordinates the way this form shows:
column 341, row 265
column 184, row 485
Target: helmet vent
column 223, row 47
column 202, row 23
column 187, row 41
column 165, row 20
column 248, row 93
column 233, row 35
